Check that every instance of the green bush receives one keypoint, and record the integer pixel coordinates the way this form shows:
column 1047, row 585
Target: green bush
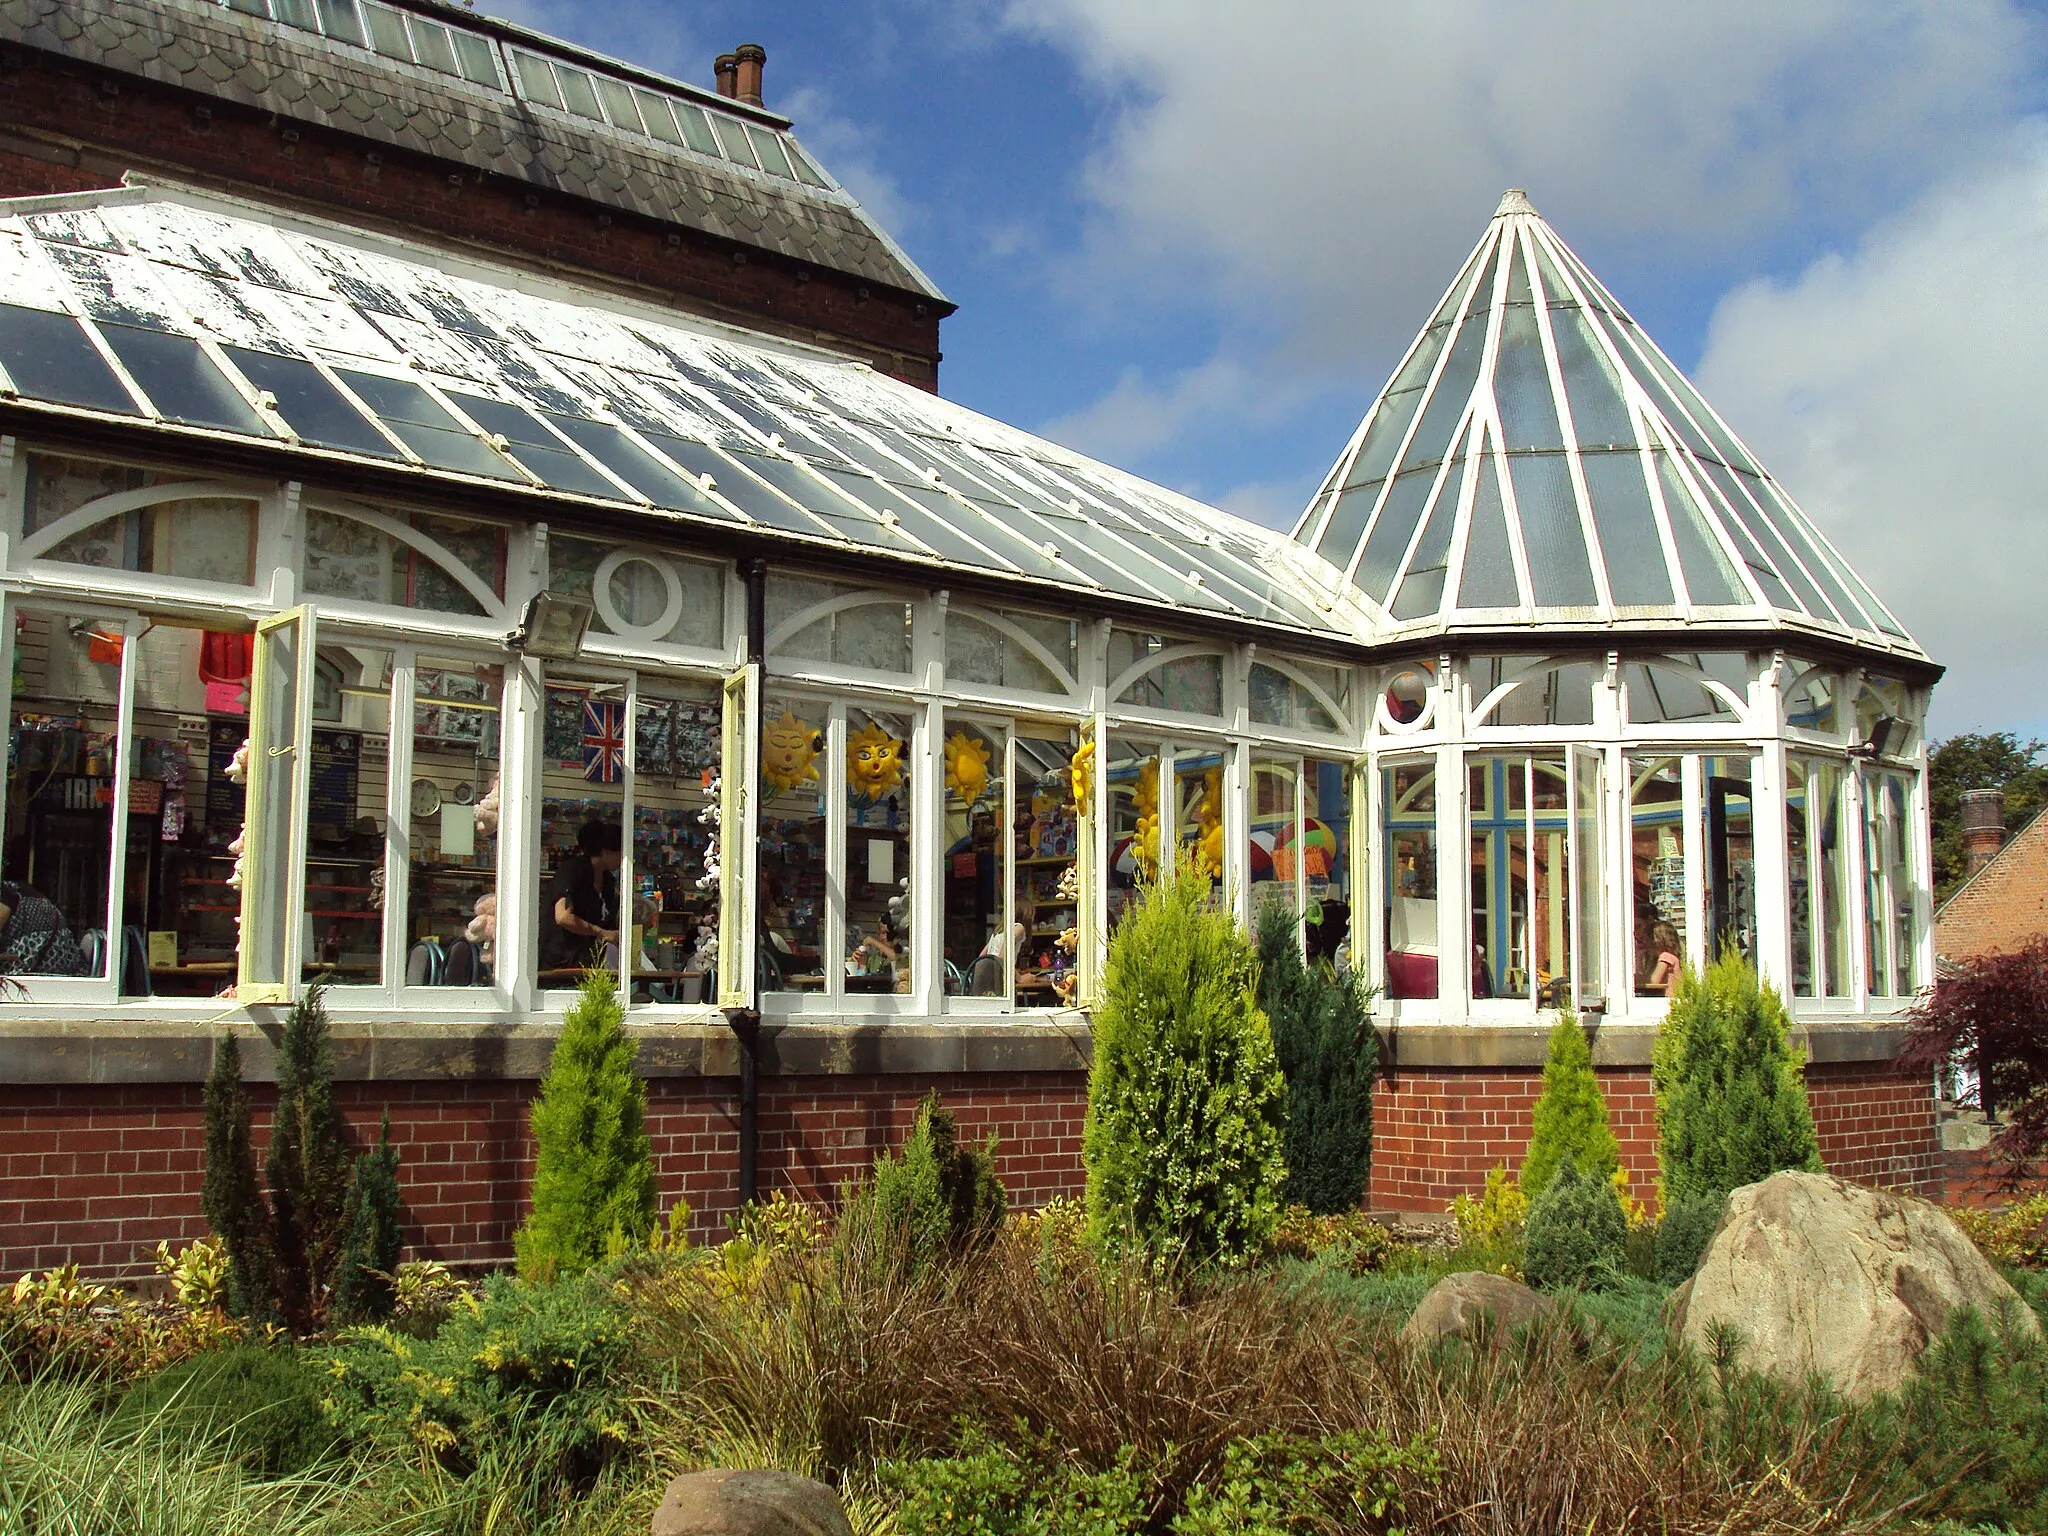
column 936, row 1199
column 264, row 1400
column 593, row 1174
column 229, row 1194
column 1683, row 1235
column 1570, row 1119
column 1577, row 1234
column 363, row 1283
column 1731, row 1097
column 309, row 1166
column 987, row 1489
column 523, row 1377
column 1352, row 1481
column 1329, row 1055
column 1186, row 1104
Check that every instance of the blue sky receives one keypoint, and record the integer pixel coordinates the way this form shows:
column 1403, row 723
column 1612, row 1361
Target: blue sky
column 1193, row 237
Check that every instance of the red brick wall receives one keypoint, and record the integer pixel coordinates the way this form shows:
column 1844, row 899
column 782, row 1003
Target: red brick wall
column 1436, row 1131
column 100, row 1175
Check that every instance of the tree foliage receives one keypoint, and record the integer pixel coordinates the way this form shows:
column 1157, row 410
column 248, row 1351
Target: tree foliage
column 936, row 1198
column 375, row 1238
column 1992, row 1014
column 1730, row 1089
column 1577, row 1236
column 309, row 1165
column 1980, row 760
column 1570, row 1119
column 229, row 1195
column 593, row 1175
column 1187, row 1109
column 1324, row 1042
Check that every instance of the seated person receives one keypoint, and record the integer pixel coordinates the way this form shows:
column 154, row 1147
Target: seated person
column 1666, row 966
column 581, row 907
column 35, row 940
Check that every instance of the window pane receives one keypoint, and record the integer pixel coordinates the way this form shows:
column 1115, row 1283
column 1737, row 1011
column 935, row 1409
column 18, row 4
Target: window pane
column 1047, row 849
column 732, row 138
column 475, row 59
column 1198, row 811
column 654, row 112
column 1810, row 702
column 420, row 422
column 539, row 450
column 1274, row 837
column 677, row 740
column 431, row 46
column 387, row 31
column 1731, row 857
column 313, row 408
column 768, row 148
column 1552, row 535
column 536, row 79
column 49, row 358
column 1521, row 878
column 878, row 848
column 346, row 814
column 1589, row 916
column 351, row 559
column 181, row 381
column 795, row 775
column 582, row 838
column 618, row 104
column 696, row 128
column 981, row 951
column 1324, row 856
column 577, row 92
column 805, row 171
column 207, row 538
column 1131, row 769
column 451, row 911
column 1408, row 834
column 1657, row 872
column 339, row 19
column 297, row 13
column 60, row 798
column 268, row 852
column 980, row 653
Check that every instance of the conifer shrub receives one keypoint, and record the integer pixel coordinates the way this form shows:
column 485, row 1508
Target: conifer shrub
column 1183, row 1143
column 262, row 1400
column 936, row 1199
column 1683, row 1235
column 229, row 1195
column 593, row 1176
column 1329, row 1055
column 1577, row 1236
column 1570, row 1118
column 363, row 1282
column 1729, row 1085
column 309, row 1166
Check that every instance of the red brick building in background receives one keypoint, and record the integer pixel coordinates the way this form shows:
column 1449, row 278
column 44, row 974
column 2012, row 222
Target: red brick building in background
column 1438, row 721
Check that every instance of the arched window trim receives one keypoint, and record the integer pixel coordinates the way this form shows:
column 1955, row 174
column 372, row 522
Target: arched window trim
column 1157, row 660
column 1031, row 643
column 804, row 618
column 1662, row 661
column 1342, row 717
column 494, row 606
column 1817, row 669
column 38, row 544
column 1492, row 701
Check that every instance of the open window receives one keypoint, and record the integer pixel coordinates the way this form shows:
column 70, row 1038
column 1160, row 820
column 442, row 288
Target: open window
column 280, row 725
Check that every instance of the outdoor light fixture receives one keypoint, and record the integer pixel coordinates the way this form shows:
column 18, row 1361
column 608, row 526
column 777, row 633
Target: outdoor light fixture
column 1886, row 733
column 552, row 627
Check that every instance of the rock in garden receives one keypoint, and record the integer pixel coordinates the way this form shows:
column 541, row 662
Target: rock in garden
column 727, row 1503
column 1455, row 1304
column 1821, row 1276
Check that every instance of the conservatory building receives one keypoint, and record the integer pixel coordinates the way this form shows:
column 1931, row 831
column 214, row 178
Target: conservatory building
column 410, row 617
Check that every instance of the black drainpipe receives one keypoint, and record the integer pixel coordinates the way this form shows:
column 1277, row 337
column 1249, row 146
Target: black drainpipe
column 746, row 1021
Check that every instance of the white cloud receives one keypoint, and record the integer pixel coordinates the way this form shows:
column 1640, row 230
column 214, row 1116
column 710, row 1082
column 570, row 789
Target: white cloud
column 1897, row 391
column 1138, row 417
column 1322, row 166
column 850, row 150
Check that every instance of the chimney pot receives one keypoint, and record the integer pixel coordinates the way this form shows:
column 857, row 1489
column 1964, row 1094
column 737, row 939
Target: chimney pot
column 1983, row 826
column 749, row 58
column 726, row 69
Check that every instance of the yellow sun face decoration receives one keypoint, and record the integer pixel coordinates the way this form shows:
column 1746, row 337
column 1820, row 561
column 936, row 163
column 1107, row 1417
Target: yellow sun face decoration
column 789, row 753
column 967, row 759
column 874, row 762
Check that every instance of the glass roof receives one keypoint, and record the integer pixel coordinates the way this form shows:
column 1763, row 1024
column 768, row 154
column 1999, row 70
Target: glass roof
column 181, row 309
column 1535, row 456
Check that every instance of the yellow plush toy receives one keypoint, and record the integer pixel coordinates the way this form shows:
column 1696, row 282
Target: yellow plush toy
column 1082, row 774
column 1209, row 822
column 967, row 760
column 1145, row 835
column 789, row 753
column 874, row 761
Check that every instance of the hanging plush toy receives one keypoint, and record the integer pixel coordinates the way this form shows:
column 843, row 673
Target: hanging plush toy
column 1209, row 822
column 1082, row 774
column 874, row 762
column 487, row 810
column 789, row 753
column 967, row 759
column 1145, row 835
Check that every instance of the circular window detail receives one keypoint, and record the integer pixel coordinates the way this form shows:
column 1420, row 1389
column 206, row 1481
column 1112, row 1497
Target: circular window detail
column 638, row 595
column 1408, row 700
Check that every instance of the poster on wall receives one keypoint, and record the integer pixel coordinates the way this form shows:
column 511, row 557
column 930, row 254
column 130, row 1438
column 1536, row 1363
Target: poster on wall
column 331, row 790
column 223, row 795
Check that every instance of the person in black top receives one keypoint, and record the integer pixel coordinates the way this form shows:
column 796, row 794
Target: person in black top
column 581, row 907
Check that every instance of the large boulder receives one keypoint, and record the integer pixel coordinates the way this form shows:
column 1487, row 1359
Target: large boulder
column 1824, row 1277
column 727, row 1503
column 1456, row 1303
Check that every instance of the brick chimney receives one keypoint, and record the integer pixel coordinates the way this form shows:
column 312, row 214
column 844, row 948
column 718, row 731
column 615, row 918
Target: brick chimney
column 1983, row 826
column 749, row 59
column 727, row 71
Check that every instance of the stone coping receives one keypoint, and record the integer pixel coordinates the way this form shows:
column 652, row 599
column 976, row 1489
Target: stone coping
column 112, row 1052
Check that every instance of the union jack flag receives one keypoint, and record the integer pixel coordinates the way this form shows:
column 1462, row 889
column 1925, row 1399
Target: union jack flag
column 604, row 742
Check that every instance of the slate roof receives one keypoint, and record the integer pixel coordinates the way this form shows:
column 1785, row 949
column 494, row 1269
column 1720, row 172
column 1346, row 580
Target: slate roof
column 306, row 77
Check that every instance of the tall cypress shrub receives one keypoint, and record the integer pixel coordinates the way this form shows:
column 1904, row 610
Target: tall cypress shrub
column 1570, row 1119
column 593, row 1173
column 229, row 1194
column 362, row 1282
column 309, row 1165
column 1329, row 1056
column 936, row 1199
column 1730, row 1089
column 1187, row 1109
